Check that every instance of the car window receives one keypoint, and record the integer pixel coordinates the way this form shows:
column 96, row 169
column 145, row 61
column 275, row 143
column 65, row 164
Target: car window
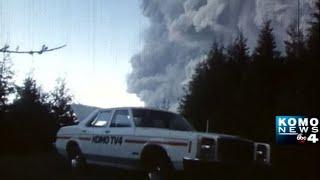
column 160, row 119
column 101, row 120
column 121, row 118
column 149, row 118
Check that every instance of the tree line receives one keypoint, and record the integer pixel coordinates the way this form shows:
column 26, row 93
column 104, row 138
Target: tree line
column 29, row 116
column 241, row 91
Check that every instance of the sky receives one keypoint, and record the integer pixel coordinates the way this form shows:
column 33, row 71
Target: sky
column 101, row 37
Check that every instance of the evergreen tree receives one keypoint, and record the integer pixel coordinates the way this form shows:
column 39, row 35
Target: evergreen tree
column 6, row 89
column 61, row 102
column 295, row 45
column 197, row 104
column 263, row 84
column 235, row 98
column 238, row 52
column 216, row 56
column 265, row 50
column 195, row 95
column 6, row 84
column 31, row 119
column 30, row 93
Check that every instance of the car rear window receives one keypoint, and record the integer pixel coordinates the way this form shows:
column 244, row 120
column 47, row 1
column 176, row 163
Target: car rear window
column 160, row 119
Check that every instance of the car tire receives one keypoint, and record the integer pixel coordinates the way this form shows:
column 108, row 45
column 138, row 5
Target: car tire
column 77, row 161
column 160, row 169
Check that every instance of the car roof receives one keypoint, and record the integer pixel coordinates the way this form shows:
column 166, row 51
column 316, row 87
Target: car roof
column 94, row 112
column 144, row 108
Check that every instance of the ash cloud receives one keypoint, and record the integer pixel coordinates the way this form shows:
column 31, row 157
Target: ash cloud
column 182, row 31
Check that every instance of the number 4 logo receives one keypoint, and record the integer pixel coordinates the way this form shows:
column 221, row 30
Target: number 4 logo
column 313, row 138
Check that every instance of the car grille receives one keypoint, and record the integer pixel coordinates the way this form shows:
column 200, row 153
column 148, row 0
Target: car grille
column 235, row 150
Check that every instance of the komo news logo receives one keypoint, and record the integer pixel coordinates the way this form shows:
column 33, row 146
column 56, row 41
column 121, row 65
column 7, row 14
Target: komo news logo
column 297, row 130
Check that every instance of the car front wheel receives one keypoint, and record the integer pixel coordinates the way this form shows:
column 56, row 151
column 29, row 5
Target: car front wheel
column 77, row 161
column 160, row 169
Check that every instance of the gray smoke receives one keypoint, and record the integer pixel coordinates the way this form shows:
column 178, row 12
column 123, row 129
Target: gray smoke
column 182, row 31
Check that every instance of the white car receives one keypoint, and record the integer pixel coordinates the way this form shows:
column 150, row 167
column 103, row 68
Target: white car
column 156, row 141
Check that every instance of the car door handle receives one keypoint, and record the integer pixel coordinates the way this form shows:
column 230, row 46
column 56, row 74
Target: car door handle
column 83, row 130
column 107, row 132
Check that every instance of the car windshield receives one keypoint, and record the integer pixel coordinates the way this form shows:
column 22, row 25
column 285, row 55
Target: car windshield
column 160, row 119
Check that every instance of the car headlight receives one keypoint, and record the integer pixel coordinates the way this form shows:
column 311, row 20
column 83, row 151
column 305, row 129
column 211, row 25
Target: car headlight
column 206, row 148
column 262, row 153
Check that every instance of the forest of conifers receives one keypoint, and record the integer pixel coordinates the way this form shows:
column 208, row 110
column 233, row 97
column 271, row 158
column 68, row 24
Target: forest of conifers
column 240, row 92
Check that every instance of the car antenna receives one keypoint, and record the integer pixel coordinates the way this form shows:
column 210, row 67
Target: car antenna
column 207, row 126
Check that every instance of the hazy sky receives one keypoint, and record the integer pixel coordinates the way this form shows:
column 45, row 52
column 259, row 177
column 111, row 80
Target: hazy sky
column 101, row 37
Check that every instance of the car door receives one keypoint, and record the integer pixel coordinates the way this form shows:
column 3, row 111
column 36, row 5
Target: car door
column 94, row 134
column 120, row 128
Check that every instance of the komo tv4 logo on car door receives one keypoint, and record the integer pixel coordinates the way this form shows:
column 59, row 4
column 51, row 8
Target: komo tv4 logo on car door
column 297, row 130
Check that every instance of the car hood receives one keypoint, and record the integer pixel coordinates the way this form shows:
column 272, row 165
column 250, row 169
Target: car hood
column 219, row 135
